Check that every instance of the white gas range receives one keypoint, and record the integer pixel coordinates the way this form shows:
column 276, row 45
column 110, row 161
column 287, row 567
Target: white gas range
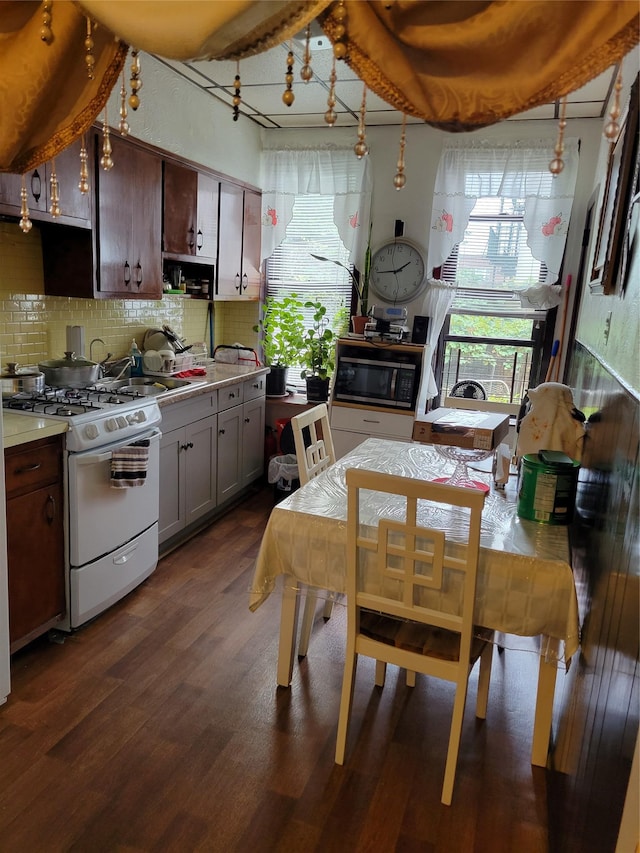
column 111, row 534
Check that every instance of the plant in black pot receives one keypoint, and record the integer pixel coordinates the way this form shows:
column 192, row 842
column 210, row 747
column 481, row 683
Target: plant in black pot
column 317, row 353
column 281, row 328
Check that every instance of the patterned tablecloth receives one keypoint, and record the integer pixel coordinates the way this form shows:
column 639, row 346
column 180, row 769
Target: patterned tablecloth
column 525, row 583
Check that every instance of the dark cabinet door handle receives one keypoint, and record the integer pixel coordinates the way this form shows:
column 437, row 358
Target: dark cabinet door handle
column 127, row 273
column 27, row 468
column 138, row 274
column 51, row 509
column 200, row 241
column 238, row 283
column 221, row 432
column 186, row 446
column 36, row 185
column 247, row 420
column 191, row 237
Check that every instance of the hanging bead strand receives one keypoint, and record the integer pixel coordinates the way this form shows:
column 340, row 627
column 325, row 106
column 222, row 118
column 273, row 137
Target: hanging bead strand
column 612, row 127
column 557, row 164
column 106, row 161
column 46, row 33
column 237, row 97
column 123, row 125
column 306, row 72
column 83, row 184
column 135, row 82
column 339, row 14
column 361, row 148
column 330, row 116
column 25, row 222
column 400, row 178
column 287, row 96
column 89, row 58
column 54, row 191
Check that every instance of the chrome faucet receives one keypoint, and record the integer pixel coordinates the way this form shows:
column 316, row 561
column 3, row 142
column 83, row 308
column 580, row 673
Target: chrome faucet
column 126, row 361
column 96, row 341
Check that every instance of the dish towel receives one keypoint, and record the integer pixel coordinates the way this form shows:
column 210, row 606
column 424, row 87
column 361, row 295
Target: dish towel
column 129, row 465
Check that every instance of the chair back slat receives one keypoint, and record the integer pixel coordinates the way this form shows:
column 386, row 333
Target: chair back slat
column 316, row 453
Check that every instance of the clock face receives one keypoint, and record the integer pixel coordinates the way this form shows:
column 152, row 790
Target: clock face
column 397, row 272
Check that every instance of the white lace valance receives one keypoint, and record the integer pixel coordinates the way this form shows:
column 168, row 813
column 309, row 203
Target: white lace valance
column 471, row 171
column 334, row 171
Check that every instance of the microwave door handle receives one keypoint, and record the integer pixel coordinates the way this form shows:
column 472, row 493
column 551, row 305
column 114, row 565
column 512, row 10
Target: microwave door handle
column 394, row 379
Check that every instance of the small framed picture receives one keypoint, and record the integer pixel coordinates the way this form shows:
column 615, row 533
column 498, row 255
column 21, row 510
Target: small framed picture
column 606, row 273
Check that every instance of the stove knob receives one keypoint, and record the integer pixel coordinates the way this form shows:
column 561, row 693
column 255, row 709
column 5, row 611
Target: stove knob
column 111, row 424
column 122, row 421
column 91, row 431
column 138, row 417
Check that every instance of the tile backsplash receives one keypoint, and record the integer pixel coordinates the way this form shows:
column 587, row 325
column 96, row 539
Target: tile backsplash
column 33, row 326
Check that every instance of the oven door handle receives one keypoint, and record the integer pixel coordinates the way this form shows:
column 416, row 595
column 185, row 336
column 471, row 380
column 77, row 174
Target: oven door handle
column 123, row 558
column 96, row 458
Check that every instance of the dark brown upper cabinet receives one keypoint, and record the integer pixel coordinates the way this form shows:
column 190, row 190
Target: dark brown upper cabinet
column 190, row 214
column 122, row 257
column 75, row 207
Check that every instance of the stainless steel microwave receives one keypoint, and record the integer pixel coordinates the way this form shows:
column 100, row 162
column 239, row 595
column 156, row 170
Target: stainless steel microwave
column 373, row 381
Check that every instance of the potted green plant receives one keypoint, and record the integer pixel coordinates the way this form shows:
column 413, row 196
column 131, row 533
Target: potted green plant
column 282, row 329
column 317, row 352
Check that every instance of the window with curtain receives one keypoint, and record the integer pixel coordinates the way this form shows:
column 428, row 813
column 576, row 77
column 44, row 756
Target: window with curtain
column 499, row 228
column 315, row 202
column 292, row 269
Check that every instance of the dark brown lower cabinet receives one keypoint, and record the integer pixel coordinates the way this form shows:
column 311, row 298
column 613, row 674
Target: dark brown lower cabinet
column 35, row 539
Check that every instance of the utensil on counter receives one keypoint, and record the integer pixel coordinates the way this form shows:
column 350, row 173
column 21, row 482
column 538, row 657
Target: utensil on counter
column 70, row 371
column 17, row 380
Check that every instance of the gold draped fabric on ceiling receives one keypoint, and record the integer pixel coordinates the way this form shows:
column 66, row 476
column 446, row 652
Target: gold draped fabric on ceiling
column 457, row 65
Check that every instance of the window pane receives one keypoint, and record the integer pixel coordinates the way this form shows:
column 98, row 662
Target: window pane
column 515, row 328
column 502, row 370
column 292, row 269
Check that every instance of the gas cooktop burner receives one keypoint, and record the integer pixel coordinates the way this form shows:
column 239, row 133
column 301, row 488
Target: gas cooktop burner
column 94, row 416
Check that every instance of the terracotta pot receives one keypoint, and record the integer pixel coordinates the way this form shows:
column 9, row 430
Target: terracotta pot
column 358, row 322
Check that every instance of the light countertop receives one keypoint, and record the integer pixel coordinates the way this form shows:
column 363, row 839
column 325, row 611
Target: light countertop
column 21, row 429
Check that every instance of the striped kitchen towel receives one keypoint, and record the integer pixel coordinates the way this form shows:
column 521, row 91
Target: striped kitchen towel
column 129, row 465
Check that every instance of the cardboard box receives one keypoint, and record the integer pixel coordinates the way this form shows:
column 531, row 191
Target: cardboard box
column 461, row 428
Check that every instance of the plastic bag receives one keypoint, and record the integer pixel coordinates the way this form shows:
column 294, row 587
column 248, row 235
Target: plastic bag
column 236, row 354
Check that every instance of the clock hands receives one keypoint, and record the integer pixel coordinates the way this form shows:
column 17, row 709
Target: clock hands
column 381, row 272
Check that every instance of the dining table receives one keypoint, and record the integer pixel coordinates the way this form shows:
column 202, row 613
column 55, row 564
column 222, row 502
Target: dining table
column 525, row 584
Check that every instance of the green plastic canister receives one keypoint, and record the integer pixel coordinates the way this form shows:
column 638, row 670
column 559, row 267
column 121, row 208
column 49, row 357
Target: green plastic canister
column 547, row 487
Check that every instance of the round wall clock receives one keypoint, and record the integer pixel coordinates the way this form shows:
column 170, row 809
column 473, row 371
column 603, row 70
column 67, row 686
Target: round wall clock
column 397, row 271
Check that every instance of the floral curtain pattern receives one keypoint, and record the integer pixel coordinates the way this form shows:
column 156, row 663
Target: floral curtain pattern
column 469, row 171
column 330, row 171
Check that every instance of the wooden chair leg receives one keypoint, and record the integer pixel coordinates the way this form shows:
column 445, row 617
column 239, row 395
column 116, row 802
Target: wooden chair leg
column 411, row 678
column 328, row 606
column 307, row 621
column 346, row 701
column 483, row 681
column 381, row 673
column 454, row 743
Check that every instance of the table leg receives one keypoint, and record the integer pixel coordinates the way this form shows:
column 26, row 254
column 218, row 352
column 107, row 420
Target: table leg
column 288, row 629
column 544, row 711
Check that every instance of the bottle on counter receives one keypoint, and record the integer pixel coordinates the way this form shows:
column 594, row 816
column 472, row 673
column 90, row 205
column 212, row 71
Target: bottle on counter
column 136, row 356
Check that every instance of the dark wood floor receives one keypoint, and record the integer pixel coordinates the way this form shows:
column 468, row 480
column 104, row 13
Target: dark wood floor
column 159, row 727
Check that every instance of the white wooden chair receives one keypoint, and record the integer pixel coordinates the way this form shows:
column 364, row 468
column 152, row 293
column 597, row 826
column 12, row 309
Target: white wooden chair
column 313, row 455
column 386, row 619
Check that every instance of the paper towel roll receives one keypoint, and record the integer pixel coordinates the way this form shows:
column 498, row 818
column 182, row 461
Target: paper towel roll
column 75, row 340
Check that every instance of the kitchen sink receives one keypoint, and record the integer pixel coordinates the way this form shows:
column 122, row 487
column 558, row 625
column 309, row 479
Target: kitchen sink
column 146, row 385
